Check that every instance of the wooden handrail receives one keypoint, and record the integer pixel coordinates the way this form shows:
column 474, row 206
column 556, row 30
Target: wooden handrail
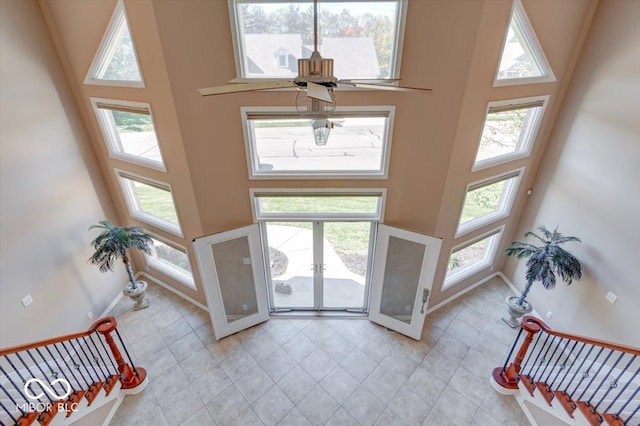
column 533, row 324
column 107, row 323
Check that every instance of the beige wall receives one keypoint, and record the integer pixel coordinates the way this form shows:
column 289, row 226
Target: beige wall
column 589, row 184
column 451, row 46
column 50, row 191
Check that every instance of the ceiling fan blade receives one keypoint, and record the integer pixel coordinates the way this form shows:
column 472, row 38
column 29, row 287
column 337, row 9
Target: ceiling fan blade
column 368, row 80
column 318, row 91
column 245, row 87
column 388, row 87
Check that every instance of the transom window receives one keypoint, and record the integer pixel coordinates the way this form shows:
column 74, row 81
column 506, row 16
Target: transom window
column 281, row 144
column 487, row 201
column 363, row 37
column 172, row 260
column 522, row 60
column 510, row 128
column 129, row 131
column 471, row 257
column 115, row 62
column 344, row 204
column 150, row 201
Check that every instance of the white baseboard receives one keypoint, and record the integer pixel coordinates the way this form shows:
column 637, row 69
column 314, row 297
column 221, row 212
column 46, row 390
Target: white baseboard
column 466, row 290
column 112, row 305
column 173, row 290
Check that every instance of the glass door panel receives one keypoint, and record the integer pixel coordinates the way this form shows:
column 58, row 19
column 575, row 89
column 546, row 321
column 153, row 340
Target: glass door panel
column 235, row 277
column 232, row 271
column 291, row 264
column 345, row 264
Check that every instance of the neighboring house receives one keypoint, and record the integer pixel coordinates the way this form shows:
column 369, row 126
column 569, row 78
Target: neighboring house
column 276, row 55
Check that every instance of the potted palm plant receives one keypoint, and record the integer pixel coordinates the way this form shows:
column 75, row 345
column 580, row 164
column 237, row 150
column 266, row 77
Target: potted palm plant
column 545, row 263
column 113, row 245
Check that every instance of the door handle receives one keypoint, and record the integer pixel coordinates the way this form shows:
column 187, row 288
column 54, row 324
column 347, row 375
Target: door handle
column 425, row 297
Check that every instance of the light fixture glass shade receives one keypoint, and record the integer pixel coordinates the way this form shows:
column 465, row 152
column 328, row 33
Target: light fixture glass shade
column 321, row 130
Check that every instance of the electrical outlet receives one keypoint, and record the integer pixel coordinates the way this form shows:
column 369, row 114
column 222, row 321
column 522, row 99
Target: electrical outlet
column 245, row 308
column 549, row 315
column 612, row 297
column 90, row 315
column 26, row 301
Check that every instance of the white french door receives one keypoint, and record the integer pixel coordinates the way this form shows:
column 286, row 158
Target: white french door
column 403, row 271
column 232, row 270
column 318, row 265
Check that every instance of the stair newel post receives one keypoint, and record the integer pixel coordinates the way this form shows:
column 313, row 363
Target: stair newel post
column 508, row 377
column 128, row 377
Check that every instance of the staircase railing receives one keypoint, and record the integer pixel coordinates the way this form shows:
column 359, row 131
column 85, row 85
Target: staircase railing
column 42, row 379
column 599, row 378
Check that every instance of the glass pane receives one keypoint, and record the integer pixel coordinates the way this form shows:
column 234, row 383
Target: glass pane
column 134, row 134
column 235, row 276
column 471, row 257
column 154, row 201
column 346, row 258
column 486, row 200
column 291, row 264
column 317, row 204
column 360, row 36
column 288, row 146
column 507, row 132
column 401, row 278
column 171, row 258
column 122, row 63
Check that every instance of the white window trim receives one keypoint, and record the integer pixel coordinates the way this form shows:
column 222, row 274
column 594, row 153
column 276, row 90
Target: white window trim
column 186, row 279
column 107, row 44
column 290, row 112
column 457, row 277
column 529, row 134
column 107, row 126
column 508, row 198
column 521, row 21
column 256, row 193
column 239, row 55
column 121, row 175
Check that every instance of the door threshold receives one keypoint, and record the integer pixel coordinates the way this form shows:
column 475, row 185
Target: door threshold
column 319, row 314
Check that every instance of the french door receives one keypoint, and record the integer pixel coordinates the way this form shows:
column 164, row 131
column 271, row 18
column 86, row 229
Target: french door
column 318, row 265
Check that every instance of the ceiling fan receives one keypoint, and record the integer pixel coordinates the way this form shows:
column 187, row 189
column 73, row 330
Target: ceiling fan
column 315, row 82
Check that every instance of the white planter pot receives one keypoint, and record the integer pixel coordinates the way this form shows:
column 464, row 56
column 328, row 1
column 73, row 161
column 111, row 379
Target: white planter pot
column 516, row 311
column 137, row 295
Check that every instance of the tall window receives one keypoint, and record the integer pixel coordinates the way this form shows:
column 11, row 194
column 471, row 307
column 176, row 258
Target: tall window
column 281, row 144
column 510, row 128
column 487, row 201
column 150, row 201
column 363, row 37
column 129, row 131
column 522, row 59
column 116, row 62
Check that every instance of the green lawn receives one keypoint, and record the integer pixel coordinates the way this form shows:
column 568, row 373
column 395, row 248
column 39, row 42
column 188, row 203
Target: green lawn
column 156, row 202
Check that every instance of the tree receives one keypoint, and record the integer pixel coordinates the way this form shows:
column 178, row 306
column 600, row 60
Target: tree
column 112, row 244
column 546, row 261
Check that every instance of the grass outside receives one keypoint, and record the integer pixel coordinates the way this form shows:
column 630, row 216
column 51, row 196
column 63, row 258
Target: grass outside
column 482, row 201
column 156, row 202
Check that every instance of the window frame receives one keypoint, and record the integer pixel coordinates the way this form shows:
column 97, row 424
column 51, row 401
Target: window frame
column 130, row 198
column 340, row 112
column 451, row 280
column 529, row 133
column 109, row 132
column 507, row 199
column 118, row 21
column 238, row 53
column 182, row 278
column 258, row 216
column 521, row 21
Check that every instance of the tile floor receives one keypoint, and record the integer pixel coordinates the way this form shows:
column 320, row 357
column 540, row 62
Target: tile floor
column 318, row 371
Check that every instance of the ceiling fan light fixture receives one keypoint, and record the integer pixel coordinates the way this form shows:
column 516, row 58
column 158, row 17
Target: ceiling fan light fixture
column 321, row 129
